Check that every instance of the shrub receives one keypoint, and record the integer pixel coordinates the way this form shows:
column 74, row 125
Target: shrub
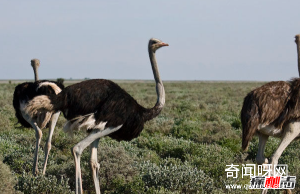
column 28, row 184
column 136, row 186
column 161, row 124
column 232, row 143
column 166, row 146
column 236, row 123
column 212, row 131
column 60, row 80
column 19, row 157
column 211, row 158
column 7, row 181
column 115, row 164
column 184, row 128
column 183, row 178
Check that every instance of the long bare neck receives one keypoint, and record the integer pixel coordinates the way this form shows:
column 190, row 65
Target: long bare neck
column 35, row 70
column 153, row 112
column 159, row 85
column 298, row 51
column 35, row 63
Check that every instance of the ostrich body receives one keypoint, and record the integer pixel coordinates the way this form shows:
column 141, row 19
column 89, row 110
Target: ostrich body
column 103, row 109
column 27, row 91
column 272, row 110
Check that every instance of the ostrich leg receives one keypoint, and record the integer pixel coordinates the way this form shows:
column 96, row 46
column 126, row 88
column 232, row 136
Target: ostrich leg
column 95, row 165
column 291, row 131
column 48, row 143
column 38, row 136
column 79, row 147
column 260, row 158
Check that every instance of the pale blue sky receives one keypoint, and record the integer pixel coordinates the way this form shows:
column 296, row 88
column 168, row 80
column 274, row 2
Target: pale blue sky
column 209, row 40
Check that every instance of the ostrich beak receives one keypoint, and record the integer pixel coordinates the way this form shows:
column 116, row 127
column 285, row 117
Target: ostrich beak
column 164, row 44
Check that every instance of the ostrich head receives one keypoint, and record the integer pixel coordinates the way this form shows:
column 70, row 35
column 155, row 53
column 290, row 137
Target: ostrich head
column 35, row 63
column 155, row 44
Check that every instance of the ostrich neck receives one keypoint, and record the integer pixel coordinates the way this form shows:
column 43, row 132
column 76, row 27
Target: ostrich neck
column 153, row 112
column 36, row 76
column 298, row 51
column 159, row 85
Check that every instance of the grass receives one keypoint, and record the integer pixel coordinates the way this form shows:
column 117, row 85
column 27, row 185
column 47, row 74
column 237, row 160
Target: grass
column 184, row 150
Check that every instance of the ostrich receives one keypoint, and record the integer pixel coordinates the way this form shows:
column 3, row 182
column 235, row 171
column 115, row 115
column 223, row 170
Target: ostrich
column 272, row 110
column 103, row 109
column 27, row 91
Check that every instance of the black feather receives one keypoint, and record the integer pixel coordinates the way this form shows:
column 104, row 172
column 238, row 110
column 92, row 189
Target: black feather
column 108, row 101
column 27, row 91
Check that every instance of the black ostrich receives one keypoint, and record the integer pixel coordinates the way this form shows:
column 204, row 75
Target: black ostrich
column 27, row 91
column 272, row 110
column 102, row 108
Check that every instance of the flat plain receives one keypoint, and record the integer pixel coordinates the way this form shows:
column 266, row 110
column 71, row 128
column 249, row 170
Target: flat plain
column 184, row 150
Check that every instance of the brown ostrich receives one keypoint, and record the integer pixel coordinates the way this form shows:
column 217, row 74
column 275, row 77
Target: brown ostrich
column 272, row 110
column 103, row 109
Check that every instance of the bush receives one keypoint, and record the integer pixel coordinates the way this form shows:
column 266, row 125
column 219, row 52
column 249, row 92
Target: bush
column 160, row 125
column 19, row 157
column 136, row 186
column 28, row 184
column 60, row 80
column 231, row 143
column 166, row 146
column 7, row 181
column 211, row 158
column 115, row 164
column 183, row 178
column 185, row 128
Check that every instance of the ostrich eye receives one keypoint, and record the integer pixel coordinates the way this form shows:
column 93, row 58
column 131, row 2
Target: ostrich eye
column 154, row 42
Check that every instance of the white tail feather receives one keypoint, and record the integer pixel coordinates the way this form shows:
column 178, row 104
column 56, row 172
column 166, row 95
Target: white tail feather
column 56, row 89
column 84, row 122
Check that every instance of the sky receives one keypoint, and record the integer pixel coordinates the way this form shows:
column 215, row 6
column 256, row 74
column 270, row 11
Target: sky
column 209, row 40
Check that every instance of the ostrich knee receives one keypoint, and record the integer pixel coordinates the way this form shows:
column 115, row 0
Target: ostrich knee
column 95, row 165
column 48, row 146
column 76, row 151
column 38, row 135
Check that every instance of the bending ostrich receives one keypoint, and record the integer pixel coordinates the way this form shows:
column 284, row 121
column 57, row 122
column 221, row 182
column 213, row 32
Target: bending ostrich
column 27, row 91
column 103, row 109
column 272, row 110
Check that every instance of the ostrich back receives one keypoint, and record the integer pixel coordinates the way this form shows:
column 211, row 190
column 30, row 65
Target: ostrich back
column 27, row 91
column 264, row 105
column 291, row 111
column 107, row 101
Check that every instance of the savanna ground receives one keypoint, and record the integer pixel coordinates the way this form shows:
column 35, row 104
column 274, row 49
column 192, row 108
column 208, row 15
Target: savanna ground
column 184, row 150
